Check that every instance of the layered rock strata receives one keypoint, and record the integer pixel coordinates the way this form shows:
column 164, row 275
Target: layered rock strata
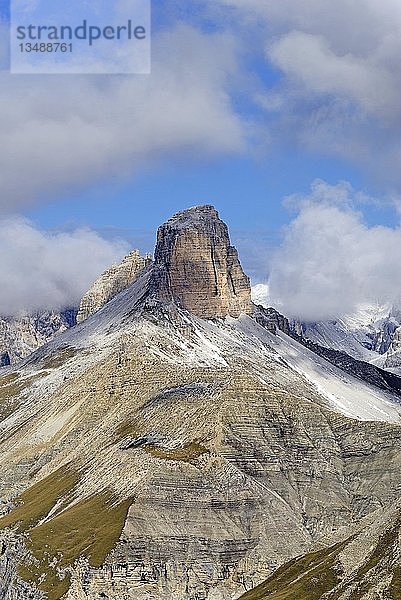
column 197, row 268
column 149, row 454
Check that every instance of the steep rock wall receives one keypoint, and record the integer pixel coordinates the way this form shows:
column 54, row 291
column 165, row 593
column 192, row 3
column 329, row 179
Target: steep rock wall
column 196, row 267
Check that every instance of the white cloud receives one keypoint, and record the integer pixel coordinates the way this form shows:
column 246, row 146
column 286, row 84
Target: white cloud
column 330, row 261
column 44, row 270
column 58, row 133
column 261, row 295
column 341, row 194
column 340, row 79
column 309, row 60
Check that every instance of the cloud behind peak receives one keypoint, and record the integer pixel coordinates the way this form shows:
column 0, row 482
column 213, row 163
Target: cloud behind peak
column 331, row 261
column 42, row 270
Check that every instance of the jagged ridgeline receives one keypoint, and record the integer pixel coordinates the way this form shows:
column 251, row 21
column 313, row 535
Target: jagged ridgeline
column 179, row 444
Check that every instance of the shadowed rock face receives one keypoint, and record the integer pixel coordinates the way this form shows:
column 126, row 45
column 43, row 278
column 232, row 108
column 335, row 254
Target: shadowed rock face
column 196, row 267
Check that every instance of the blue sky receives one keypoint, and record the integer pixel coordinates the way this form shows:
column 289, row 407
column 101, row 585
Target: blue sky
column 248, row 193
column 247, row 189
column 249, row 101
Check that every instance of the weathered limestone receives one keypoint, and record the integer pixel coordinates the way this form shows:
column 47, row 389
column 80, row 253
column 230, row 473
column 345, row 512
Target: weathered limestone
column 20, row 336
column 196, row 267
column 112, row 282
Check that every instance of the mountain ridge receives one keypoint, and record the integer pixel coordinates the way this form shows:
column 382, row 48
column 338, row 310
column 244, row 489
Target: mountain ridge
column 159, row 454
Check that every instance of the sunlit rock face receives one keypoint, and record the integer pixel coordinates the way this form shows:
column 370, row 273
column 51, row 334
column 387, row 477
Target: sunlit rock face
column 113, row 281
column 196, row 267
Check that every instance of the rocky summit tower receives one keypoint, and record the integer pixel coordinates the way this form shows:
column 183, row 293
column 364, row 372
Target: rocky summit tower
column 147, row 453
column 197, row 268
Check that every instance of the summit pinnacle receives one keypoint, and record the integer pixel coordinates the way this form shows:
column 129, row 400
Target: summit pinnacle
column 197, row 268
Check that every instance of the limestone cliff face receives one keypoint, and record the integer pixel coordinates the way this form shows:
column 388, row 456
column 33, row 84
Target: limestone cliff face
column 196, row 267
column 110, row 283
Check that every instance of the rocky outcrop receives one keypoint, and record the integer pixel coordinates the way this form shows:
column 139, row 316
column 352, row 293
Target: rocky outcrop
column 393, row 355
column 20, row 336
column 112, row 282
column 154, row 455
column 197, row 268
column 271, row 319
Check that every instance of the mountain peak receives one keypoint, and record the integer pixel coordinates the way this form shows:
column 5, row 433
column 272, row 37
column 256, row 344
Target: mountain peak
column 111, row 282
column 189, row 216
column 197, row 268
